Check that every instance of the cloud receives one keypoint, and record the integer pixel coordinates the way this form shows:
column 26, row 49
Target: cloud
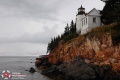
column 22, row 49
column 26, row 26
column 41, row 37
column 37, row 9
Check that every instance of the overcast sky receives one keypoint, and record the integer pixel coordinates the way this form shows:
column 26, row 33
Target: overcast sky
column 26, row 26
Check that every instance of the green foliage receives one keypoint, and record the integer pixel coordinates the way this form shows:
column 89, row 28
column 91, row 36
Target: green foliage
column 116, row 34
column 67, row 30
column 117, row 10
column 72, row 27
column 70, row 36
column 53, row 44
column 111, row 12
column 69, row 33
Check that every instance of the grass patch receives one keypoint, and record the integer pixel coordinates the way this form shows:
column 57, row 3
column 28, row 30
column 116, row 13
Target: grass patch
column 113, row 29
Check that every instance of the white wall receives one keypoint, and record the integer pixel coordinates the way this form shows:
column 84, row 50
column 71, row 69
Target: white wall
column 85, row 25
column 86, row 28
column 93, row 14
column 92, row 24
column 78, row 22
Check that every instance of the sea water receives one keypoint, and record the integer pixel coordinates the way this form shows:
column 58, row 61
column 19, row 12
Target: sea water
column 19, row 66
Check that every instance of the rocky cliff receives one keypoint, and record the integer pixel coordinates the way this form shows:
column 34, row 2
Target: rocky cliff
column 92, row 56
column 98, row 48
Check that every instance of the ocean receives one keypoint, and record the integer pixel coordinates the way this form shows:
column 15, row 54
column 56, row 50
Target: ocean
column 18, row 68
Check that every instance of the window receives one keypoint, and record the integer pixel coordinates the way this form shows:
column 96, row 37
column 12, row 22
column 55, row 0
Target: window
column 94, row 20
column 86, row 20
column 82, row 23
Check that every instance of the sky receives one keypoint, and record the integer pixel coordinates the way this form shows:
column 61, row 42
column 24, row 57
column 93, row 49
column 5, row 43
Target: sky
column 26, row 26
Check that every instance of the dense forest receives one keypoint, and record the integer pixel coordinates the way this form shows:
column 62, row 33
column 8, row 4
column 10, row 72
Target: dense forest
column 111, row 11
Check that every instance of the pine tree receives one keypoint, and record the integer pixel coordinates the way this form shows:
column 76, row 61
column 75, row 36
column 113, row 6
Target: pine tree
column 65, row 36
column 75, row 28
column 66, row 32
column 111, row 11
column 48, row 48
column 117, row 10
column 71, row 27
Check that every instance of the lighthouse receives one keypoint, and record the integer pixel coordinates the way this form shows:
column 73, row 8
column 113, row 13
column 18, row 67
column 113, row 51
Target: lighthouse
column 87, row 21
column 80, row 15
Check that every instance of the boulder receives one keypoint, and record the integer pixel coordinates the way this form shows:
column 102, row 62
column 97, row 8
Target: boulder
column 38, row 63
column 32, row 70
column 77, row 70
column 50, row 70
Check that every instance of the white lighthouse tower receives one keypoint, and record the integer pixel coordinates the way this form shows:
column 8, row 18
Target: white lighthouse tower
column 80, row 15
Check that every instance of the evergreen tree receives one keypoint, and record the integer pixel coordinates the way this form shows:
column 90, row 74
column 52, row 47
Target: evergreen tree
column 52, row 44
column 48, row 48
column 67, row 35
column 111, row 11
column 117, row 10
column 75, row 28
column 71, row 27
column 66, row 32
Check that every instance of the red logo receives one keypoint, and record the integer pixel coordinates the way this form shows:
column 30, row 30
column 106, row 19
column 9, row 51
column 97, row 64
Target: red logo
column 6, row 74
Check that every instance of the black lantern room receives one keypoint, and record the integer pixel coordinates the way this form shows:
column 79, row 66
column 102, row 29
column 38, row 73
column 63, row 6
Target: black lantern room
column 81, row 10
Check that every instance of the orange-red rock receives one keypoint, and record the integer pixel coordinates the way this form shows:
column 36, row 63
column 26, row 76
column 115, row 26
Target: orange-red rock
column 99, row 51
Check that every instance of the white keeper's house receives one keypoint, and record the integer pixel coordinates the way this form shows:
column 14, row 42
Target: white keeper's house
column 86, row 21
